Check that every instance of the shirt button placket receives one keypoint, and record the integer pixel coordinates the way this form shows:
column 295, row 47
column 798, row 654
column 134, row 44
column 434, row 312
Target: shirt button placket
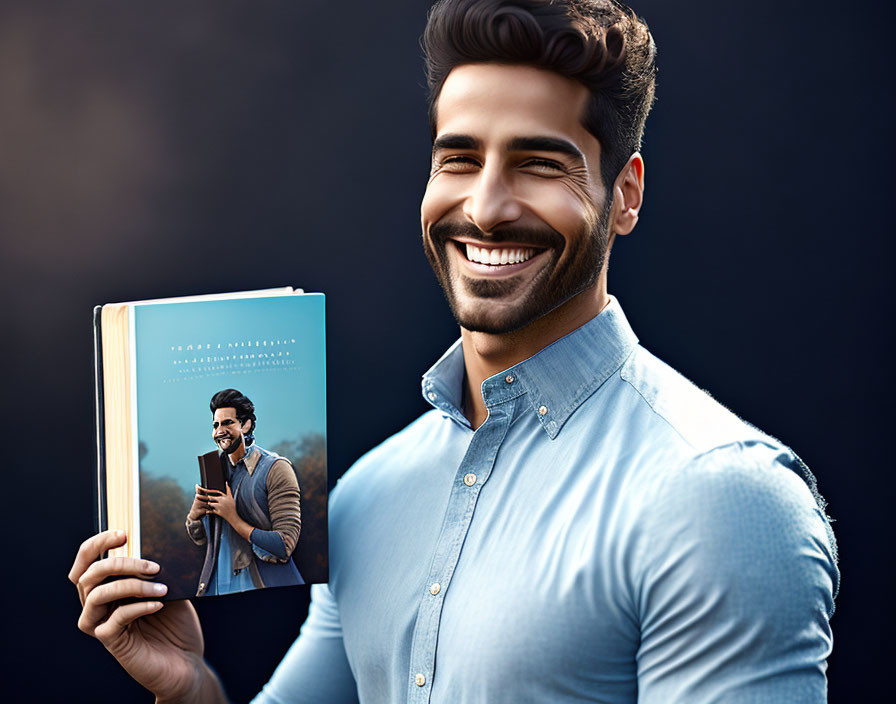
column 472, row 474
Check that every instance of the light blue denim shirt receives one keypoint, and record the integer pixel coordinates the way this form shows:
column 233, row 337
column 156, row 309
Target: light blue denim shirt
column 609, row 534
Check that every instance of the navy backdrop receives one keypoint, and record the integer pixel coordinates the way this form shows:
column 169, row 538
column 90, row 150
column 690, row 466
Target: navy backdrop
column 167, row 148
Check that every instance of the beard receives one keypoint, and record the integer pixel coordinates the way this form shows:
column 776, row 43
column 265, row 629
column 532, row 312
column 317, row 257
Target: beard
column 234, row 445
column 500, row 306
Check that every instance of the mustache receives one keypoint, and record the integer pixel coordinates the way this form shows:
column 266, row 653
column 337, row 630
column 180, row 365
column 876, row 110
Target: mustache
column 544, row 237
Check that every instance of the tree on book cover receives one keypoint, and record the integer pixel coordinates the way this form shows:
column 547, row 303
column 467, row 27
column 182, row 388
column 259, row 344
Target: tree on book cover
column 244, row 376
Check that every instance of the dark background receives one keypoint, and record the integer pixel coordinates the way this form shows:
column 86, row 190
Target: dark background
column 170, row 148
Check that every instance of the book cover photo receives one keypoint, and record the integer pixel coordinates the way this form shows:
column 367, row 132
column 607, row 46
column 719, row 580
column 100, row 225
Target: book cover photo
column 215, row 401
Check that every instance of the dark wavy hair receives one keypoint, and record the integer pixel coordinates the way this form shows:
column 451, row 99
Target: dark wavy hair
column 245, row 409
column 600, row 43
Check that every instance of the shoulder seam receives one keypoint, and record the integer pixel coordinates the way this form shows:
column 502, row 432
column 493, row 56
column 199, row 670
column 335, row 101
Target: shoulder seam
column 656, row 412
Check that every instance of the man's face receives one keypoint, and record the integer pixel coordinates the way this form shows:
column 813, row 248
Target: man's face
column 227, row 431
column 514, row 223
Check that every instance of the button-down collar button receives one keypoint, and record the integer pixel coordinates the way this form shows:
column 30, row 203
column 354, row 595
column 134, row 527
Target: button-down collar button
column 432, row 395
column 509, row 378
column 419, row 679
column 542, row 410
column 470, row 479
column 435, row 588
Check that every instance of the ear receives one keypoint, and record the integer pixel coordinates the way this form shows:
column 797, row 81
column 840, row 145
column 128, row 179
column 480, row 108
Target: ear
column 628, row 195
column 246, row 426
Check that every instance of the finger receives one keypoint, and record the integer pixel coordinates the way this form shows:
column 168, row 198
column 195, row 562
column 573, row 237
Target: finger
column 123, row 616
column 112, row 567
column 96, row 607
column 92, row 548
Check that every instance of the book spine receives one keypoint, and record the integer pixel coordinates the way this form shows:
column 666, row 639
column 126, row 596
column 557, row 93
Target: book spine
column 99, row 485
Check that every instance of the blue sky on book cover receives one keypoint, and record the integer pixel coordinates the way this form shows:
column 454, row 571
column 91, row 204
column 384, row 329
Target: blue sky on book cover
column 272, row 349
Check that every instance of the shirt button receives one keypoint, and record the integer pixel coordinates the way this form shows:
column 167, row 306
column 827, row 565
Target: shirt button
column 419, row 679
column 432, row 395
column 509, row 378
column 470, row 479
column 543, row 410
column 435, row 588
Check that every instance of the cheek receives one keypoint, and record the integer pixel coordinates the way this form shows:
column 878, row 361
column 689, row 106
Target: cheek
column 438, row 200
column 561, row 206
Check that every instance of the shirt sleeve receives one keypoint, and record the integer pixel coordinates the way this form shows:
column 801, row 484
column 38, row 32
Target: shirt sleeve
column 736, row 585
column 284, row 508
column 196, row 531
column 315, row 669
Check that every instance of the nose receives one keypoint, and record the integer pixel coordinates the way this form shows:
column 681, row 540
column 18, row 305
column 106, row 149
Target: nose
column 492, row 201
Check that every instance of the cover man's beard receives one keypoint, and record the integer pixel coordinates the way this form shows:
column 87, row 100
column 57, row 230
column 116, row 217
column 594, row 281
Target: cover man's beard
column 233, row 446
column 554, row 284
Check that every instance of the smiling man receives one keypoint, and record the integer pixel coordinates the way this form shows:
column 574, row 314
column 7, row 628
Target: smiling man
column 251, row 530
column 573, row 521
column 515, row 213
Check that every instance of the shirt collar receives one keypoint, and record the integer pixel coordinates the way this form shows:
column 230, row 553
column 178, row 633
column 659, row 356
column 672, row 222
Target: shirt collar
column 556, row 380
column 250, row 459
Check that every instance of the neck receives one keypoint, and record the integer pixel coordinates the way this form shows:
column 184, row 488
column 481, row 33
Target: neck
column 239, row 453
column 487, row 354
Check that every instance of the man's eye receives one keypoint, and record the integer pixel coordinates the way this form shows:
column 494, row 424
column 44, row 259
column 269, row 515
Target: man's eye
column 544, row 165
column 457, row 163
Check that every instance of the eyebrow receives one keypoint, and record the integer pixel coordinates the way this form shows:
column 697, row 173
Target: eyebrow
column 546, row 144
column 455, row 141
column 517, row 144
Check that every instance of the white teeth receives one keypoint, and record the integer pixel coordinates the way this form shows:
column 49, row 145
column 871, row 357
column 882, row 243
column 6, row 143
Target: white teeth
column 497, row 257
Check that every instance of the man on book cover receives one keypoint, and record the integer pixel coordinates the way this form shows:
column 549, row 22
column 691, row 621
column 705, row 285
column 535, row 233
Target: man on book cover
column 251, row 529
column 571, row 520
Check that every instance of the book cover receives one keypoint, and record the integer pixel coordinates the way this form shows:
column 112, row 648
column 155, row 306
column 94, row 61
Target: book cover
column 171, row 358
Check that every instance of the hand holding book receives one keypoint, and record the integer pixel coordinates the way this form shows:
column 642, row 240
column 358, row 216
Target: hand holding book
column 159, row 645
column 200, row 505
column 223, row 505
column 160, row 366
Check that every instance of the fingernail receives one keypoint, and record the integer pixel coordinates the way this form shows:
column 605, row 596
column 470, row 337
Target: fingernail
column 119, row 534
column 159, row 588
column 150, row 566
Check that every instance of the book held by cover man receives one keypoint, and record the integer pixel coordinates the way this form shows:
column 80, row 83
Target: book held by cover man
column 211, row 437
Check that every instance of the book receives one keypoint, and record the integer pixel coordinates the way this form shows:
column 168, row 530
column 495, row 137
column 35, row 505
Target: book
column 211, row 471
column 158, row 366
